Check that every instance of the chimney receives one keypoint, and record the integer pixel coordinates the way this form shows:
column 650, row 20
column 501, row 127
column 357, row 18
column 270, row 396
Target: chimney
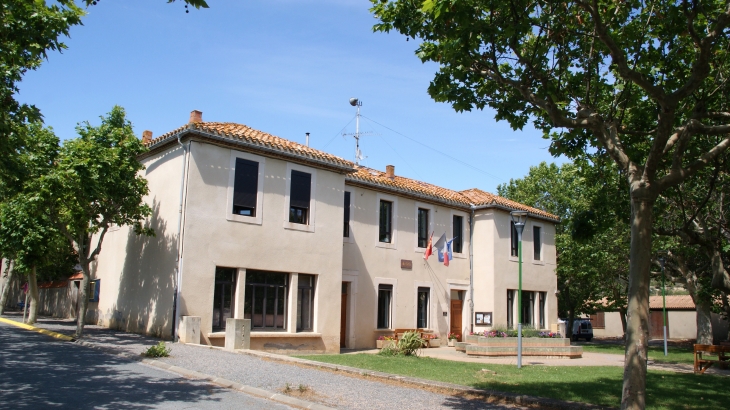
column 307, row 138
column 196, row 116
column 390, row 171
column 146, row 137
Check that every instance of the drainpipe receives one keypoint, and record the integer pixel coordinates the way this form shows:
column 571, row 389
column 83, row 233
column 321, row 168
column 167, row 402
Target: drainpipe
column 178, row 259
column 471, row 270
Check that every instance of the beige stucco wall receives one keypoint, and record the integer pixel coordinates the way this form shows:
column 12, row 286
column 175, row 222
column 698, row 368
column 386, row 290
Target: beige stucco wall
column 211, row 239
column 368, row 263
column 495, row 270
column 137, row 272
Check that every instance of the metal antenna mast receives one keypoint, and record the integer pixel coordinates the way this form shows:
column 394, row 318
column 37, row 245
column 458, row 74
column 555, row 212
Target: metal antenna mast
column 358, row 155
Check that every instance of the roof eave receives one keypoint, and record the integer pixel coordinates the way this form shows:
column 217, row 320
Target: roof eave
column 405, row 192
column 508, row 209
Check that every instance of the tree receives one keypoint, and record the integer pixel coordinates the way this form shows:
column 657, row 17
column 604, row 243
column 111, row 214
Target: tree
column 95, row 185
column 640, row 83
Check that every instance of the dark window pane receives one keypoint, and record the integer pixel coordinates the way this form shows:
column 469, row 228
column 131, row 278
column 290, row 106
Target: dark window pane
column 347, row 215
column 301, row 185
column 386, row 209
column 245, row 187
column 458, row 224
column 422, row 227
column 543, row 296
column 537, row 242
column 422, row 314
column 298, row 215
column 266, row 298
column 528, row 305
column 513, row 239
column 510, row 308
column 384, row 296
column 223, row 293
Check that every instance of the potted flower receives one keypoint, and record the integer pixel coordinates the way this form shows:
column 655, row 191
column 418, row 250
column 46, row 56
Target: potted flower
column 431, row 340
column 453, row 338
column 383, row 341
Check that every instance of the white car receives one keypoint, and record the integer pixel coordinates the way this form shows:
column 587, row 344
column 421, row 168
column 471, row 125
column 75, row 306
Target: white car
column 582, row 329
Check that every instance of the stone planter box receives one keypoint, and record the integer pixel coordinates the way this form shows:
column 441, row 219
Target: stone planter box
column 461, row 346
column 526, row 342
column 452, row 342
column 382, row 343
column 434, row 343
column 471, row 339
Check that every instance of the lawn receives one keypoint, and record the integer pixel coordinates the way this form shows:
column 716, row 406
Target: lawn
column 683, row 355
column 596, row 385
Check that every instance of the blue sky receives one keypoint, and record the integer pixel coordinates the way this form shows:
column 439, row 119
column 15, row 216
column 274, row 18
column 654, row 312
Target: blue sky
column 285, row 67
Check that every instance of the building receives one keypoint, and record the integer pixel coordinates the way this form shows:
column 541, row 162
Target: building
column 318, row 252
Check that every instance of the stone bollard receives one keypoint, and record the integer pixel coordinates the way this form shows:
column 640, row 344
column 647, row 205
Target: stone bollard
column 190, row 330
column 238, row 334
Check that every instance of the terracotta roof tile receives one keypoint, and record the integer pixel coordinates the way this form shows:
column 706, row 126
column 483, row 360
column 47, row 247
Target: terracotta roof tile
column 479, row 198
column 673, row 302
column 246, row 134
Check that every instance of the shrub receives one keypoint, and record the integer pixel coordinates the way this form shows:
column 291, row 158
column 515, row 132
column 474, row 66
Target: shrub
column 408, row 345
column 158, row 350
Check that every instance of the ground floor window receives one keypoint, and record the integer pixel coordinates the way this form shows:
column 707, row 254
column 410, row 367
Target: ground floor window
column 385, row 295
column 305, row 302
column 528, row 307
column 510, row 308
column 223, row 296
column 543, row 298
column 422, row 315
column 266, row 299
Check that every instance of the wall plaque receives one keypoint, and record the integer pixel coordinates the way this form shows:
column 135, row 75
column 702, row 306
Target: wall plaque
column 406, row 264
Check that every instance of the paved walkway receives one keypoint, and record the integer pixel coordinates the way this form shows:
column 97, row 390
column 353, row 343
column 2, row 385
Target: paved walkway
column 324, row 387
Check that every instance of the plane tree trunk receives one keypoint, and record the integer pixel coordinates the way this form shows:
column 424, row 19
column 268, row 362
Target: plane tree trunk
column 33, row 290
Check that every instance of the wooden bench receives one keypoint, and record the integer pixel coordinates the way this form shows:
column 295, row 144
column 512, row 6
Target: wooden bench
column 702, row 364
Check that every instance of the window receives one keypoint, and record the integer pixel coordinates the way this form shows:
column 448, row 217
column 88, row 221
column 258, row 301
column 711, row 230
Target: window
column 513, row 239
column 537, row 243
column 543, row 298
column 223, row 296
column 458, row 227
column 245, row 187
column 422, row 315
column 305, row 302
column 598, row 320
column 528, row 307
column 510, row 308
column 299, row 196
column 94, row 289
column 386, row 220
column 347, row 215
column 385, row 295
column 266, row 299
column 422, row 227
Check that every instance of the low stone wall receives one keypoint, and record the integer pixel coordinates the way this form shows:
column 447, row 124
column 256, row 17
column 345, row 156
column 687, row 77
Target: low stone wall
column 476, row 345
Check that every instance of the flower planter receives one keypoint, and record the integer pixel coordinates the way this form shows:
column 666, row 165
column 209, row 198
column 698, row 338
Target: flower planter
column 472, row 339
column 382, row 343
column 434, row 343
column 452, row 342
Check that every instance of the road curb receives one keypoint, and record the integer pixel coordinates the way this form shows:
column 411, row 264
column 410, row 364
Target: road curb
column 46, row 332
column 446, row 388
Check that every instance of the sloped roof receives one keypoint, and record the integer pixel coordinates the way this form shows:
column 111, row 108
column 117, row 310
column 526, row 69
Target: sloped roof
column 481, row 198
column 248, row 136
column 673, row 302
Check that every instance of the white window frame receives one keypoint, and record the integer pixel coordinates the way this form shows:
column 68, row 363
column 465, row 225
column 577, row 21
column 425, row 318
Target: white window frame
column 385, row 281
column 540, row 261
column 419, row 284
column 465, row 231
column 312, row 198
column 393, row 222
column 258, row 219
column 431, row 216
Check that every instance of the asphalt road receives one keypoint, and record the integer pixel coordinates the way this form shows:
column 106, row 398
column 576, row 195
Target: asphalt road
column 39, row 372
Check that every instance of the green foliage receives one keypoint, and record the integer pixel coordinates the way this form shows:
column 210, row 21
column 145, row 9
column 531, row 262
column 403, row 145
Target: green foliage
column 408, row 345
column 158, row 350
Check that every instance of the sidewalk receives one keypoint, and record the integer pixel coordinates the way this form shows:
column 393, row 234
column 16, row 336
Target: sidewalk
column 273, row 373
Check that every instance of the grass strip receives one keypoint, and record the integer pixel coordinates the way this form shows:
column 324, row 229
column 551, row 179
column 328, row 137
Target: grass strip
column 681, row 355
column 587, row 384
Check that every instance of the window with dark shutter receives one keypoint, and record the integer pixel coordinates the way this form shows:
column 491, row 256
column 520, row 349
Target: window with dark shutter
column 537, row 243
column 385, row 228
column 346, row 233
column 513, row 239
column 245, row 187
column 458, row 225
column 299, row 196
column 385, row 295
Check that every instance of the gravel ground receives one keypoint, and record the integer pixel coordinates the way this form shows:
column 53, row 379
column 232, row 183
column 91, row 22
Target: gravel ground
column 330, row 389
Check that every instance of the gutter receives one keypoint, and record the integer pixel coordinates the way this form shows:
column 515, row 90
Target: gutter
column 178, row 257
column 471, row 270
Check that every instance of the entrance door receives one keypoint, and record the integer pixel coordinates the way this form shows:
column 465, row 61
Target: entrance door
column 223, row 297
column 456, row 308
column 656, row 325
column 343, row 316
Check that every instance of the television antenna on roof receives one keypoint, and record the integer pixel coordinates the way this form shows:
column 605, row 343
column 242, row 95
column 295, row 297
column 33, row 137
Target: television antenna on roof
column 358, row 154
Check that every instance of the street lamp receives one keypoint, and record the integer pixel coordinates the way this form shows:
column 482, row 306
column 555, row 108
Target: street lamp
column 519, row 218
column 664, row 305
